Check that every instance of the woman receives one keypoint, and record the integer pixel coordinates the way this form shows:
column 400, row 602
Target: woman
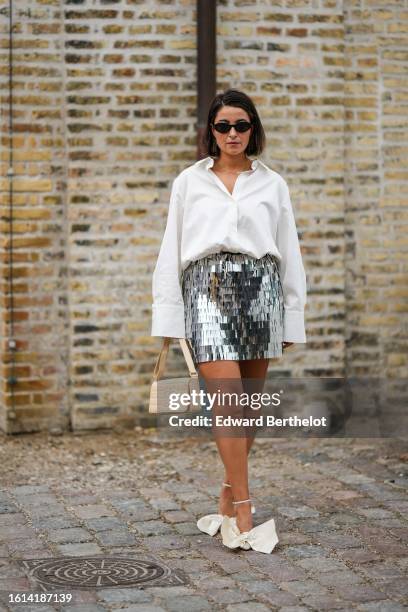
column 229, row 276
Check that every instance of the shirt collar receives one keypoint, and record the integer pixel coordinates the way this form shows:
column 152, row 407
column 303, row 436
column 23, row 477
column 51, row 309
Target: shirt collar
column 208, row 163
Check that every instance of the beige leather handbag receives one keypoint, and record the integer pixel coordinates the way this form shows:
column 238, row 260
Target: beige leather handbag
column 174, row 394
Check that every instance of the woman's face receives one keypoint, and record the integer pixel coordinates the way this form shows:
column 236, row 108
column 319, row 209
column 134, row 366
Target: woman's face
column 233, row 142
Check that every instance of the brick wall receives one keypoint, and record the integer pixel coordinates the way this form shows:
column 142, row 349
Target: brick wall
column 40, row 233
column 376, row 190
column 104, row 100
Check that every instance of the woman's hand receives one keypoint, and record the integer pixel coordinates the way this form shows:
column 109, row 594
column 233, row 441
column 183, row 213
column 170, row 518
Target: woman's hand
column 286, row 344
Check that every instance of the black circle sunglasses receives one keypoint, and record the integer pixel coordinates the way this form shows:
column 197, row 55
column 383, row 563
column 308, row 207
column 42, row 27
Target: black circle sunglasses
column 224, row 128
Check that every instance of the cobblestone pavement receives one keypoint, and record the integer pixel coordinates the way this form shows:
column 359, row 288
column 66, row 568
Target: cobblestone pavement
column 340, row 507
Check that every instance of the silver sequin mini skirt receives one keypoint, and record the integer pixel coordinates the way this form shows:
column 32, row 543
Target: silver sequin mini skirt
column 233, row 307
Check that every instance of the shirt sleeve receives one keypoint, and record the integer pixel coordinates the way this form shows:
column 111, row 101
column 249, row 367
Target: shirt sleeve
column 168, row 304
column 292, row 273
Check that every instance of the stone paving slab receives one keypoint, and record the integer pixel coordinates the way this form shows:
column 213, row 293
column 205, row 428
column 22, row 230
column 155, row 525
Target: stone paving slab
column 340, row 507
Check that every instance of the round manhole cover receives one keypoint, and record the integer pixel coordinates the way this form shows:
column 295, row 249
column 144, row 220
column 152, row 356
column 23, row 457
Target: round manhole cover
column 96, row 573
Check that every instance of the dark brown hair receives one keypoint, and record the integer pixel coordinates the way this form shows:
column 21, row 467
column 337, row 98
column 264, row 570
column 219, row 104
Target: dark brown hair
column 234, row 97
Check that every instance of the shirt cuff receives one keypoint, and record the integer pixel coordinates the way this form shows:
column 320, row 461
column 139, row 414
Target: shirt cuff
column 294, row 326
column 168, row 321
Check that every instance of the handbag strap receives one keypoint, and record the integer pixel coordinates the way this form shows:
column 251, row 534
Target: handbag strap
column 161, row 359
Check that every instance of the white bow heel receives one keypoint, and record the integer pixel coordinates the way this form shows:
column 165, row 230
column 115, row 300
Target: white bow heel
column 211, row 523
column 262, row 538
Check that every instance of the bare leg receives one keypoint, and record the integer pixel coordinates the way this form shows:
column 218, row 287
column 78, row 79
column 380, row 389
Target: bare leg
column 256, row 370
column 232, row 449
column 253, row 372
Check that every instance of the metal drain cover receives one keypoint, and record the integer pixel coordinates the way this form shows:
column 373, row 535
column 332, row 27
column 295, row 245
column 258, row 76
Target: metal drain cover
column 99, row 572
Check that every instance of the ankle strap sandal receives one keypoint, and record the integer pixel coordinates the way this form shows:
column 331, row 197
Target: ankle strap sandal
column 243, row 501
column 253, row 509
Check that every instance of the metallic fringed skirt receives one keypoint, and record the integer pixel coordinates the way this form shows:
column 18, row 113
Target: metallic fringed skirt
column 233, row 307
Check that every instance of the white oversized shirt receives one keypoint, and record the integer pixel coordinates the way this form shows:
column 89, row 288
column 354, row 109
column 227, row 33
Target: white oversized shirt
column 204, row 218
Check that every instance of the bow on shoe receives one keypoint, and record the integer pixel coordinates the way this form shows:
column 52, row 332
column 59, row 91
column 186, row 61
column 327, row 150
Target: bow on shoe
column 262, row 538
column 210, row 523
